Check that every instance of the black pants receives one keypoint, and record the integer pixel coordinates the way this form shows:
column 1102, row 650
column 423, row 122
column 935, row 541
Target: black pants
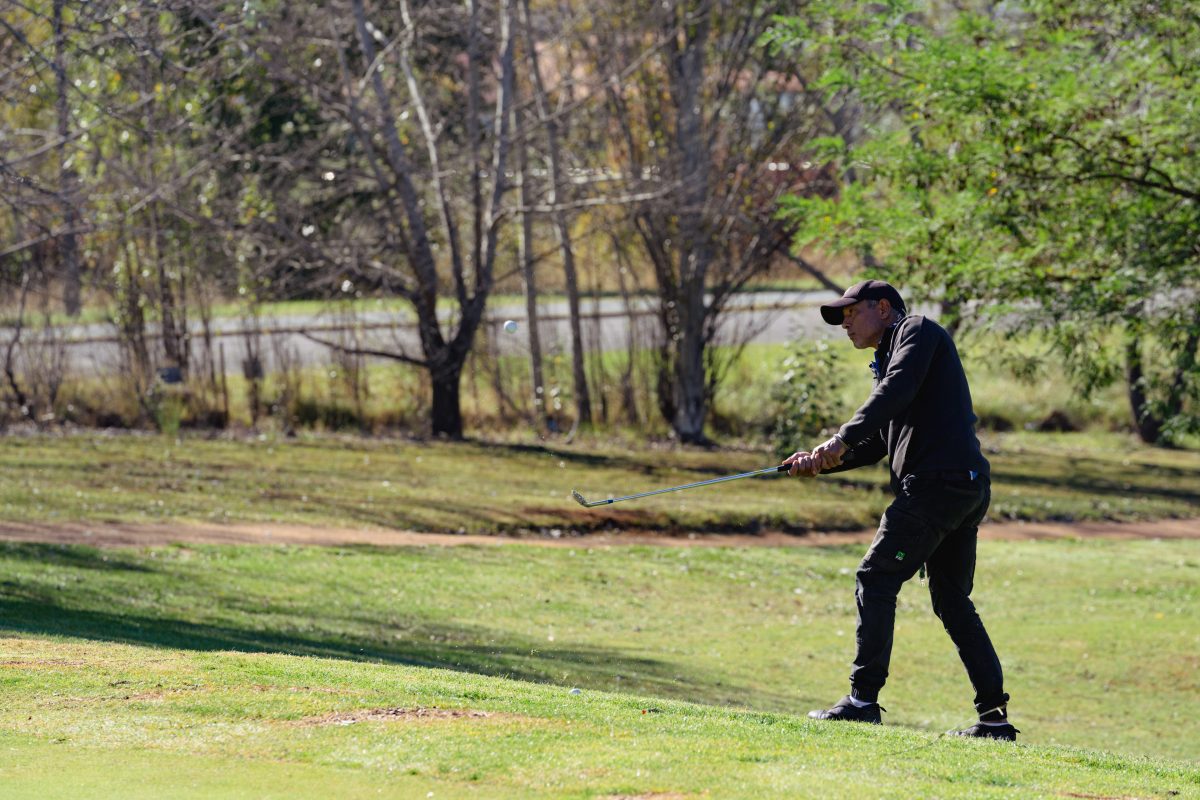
column 932, row 521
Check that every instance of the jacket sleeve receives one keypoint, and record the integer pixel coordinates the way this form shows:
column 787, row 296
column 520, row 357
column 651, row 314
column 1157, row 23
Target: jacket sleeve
column 865, row 453
column 912, row 351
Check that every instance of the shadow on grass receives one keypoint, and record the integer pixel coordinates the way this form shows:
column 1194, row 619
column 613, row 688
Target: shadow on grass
column 75, row 557
column 465, row 648
column 1146, row 481
column 639, row 463
column 570, row 456
column 39, row 609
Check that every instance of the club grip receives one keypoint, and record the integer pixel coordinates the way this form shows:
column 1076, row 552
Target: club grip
column 783, row 468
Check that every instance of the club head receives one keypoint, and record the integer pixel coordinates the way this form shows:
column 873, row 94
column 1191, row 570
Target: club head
column 579, row 498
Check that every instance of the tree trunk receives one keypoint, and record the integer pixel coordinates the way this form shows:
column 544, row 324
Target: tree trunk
column 166, row 296
column 691, row 399
column 695, row 256
column 68, row 243
column 599, row 374
column 1147, row 424
column 446, row 415
column 22, row 403
column 1151, row 423
column 132, row 329
column 529, row 278
column 168, row 326
column 628, row 394
column 583, row 401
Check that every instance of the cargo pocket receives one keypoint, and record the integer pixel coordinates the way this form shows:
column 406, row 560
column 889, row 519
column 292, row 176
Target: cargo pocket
column 902, row 544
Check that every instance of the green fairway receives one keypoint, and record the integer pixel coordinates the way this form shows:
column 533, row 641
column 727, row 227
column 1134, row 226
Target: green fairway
column 153, row 723
column 479, row 487
column 252, row 671
column 124, row 656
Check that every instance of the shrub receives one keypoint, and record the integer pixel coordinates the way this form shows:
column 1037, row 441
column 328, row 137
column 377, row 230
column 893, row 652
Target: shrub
column 806, row 399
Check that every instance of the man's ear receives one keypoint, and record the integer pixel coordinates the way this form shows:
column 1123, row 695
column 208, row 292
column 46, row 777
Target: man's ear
column 885, row 308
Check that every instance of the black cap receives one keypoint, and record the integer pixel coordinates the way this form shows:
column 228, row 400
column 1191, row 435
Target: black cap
column 867, row 290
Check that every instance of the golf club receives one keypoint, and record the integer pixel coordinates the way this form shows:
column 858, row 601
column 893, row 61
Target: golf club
column 580, row 499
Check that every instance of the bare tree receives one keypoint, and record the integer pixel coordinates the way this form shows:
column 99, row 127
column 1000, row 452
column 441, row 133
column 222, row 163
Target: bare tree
column 117, row 146
column 36, row 148
column 391, row 164
column 34, row 359
column 549, row 122
column 712, row 116
column 526, row 254
column 68, row 242
column 175, row 150
column 13, row 381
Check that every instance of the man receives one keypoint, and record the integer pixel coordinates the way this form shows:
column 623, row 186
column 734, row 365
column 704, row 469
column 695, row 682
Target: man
column 920, row 416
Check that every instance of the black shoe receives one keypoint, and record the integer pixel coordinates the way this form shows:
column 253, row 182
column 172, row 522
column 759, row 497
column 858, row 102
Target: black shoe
column 1004, row 732
column 848, row 712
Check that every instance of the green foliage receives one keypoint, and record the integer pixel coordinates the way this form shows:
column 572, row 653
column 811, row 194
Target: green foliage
column 805, row 397
column 168, row 410
column 1032, row 168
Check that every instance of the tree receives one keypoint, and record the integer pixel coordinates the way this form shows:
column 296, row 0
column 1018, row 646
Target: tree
column 709, row 123
column 550, row 122
column 37, row 153
column 1036, row 170
column 386, row 162
column 69, row 241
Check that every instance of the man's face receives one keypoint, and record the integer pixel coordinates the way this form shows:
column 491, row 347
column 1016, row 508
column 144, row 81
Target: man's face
column 865, row 322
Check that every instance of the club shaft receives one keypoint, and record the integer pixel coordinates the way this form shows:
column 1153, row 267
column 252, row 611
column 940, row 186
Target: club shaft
column 764, row 471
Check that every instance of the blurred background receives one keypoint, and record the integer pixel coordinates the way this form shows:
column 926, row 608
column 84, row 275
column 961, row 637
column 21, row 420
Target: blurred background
column 287, row 216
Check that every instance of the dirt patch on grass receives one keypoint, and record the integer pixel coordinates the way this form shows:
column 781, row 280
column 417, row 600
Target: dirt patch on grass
column 393, row 715
column 111, row 534
column 41, row 664
column 262, row 687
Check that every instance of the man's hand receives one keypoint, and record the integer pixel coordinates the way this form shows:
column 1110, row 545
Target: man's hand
column 829, row 454
column 802, row 464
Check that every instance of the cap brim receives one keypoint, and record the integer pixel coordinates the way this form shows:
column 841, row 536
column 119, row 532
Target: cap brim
column 832, row 312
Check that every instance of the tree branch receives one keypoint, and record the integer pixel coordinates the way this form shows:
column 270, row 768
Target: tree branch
column 367, row 351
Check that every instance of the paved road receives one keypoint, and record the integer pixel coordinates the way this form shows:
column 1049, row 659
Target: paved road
column 769, row 317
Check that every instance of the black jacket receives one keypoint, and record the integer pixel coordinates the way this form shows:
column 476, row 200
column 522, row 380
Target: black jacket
column 920, row 413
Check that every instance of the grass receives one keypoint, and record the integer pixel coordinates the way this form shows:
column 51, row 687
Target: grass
column 229, row 671
column 394, row 397
column 219, row 672
column 1000, row 399
column 524, row 487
